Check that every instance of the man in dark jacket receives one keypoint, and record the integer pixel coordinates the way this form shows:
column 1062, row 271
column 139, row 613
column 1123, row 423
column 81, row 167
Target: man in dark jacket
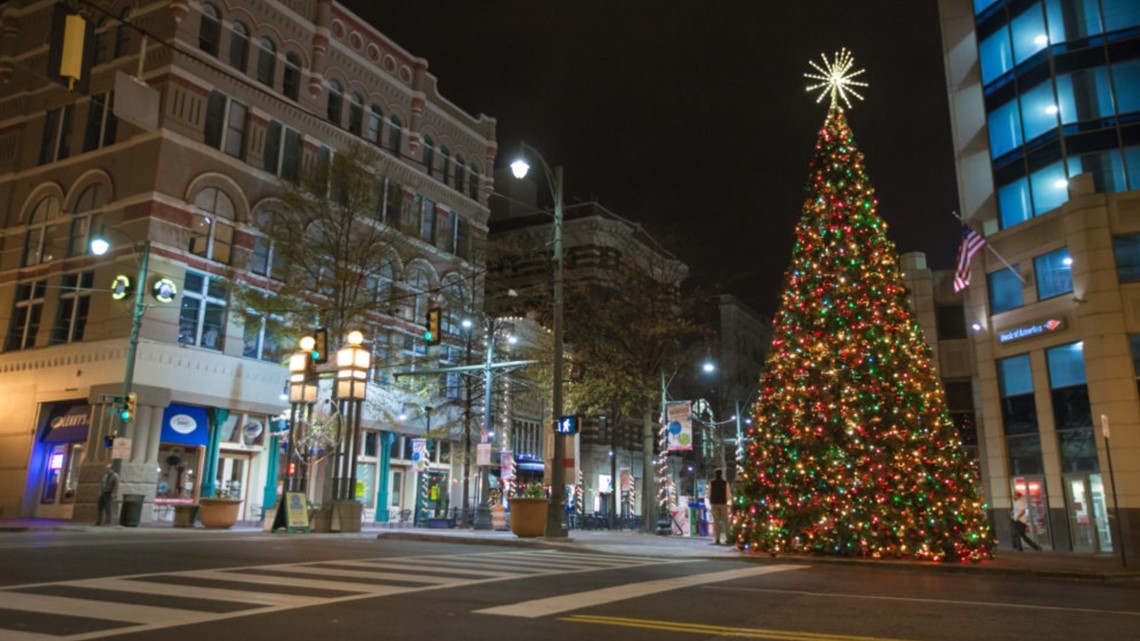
column 718, row 503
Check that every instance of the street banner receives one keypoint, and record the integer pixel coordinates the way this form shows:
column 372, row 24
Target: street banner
column 419, row 455
column 678, row 419
column 507, row 458
column 483, row 454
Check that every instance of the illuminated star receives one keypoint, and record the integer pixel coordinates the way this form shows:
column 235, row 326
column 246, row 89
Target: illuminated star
column 836, row 78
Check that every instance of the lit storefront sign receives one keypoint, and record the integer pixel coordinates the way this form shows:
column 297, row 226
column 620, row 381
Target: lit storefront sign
column 1030, row 330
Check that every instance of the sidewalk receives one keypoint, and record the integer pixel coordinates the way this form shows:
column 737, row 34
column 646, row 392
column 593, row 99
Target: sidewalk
column 1042, row 564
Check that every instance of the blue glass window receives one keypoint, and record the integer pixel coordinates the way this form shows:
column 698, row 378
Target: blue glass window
column 1066, row 365
column 1013, row 200
column 982, row 5
column 996, row 55
column 1132, row 161
column 1038, row 110
column 1028, row 34
column 1126, row 250
column 1127, row 79
column 1015, row 376
column 1005, row 129
column 1054, row 273
column 1005, row 290
column 1077, row 19
column 1084, row 95
column 1106, row 167
column 1120, row 14
column 1050, row 188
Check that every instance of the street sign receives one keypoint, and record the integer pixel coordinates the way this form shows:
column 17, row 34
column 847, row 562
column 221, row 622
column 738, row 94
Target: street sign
column 111, row 399
column 567, row 425
column 121, row 448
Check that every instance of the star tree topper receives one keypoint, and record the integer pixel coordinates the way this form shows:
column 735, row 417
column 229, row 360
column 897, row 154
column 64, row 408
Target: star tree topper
column 836, row 78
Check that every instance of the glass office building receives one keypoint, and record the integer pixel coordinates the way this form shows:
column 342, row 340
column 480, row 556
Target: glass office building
column 1045, row 110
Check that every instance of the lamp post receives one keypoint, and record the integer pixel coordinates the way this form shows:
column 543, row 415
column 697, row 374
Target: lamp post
column 302, row 395
column 483, row 511
column 465, row 520
column 707, row 367
column 555, row 515
column 99, row 247
column 352, row 363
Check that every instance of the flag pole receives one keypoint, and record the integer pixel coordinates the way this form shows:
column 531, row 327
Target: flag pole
column 994, row 252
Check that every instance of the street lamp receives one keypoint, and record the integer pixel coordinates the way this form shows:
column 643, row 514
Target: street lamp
column 557, row 484
column 302, row 394
column 99, row 247
column 352, row 363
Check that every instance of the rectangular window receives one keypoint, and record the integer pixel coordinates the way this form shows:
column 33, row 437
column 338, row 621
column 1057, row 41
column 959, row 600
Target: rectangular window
column 1054, row 273
column 102, row 123
column 1026, row 31
column 291, row 156
column 271, row 156
column 950, row 321
column 26, row 312
column 74, row 303
column 262, row 338
column 1106, row 167
column 56, row 142
column 202, row 320
column 1013, row 200
column 1005, row 290
column 995, row 55
column 1072, row 412
column 1050, row 188
column 1039, row 111
column 225, row 124
column 1084, row 95
column 1072, row 19
column 1004, row 129
column 427, row 221
column 1019, row 414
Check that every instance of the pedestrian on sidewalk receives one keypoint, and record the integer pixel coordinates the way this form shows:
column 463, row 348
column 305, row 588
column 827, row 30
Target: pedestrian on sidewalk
column 718, row 504
column 1021, row 524
column 107, row 488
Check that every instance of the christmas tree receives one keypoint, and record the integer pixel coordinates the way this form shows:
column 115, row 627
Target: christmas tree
column 852, row 450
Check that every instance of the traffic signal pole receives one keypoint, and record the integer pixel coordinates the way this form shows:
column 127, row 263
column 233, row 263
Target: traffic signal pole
column 133, row 342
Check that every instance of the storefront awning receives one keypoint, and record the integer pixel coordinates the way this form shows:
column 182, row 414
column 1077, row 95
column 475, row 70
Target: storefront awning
column 67, row 423
column 185, row 425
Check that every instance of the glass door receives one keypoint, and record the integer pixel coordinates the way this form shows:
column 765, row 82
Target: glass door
column 1100, row 513
column 1080, row 514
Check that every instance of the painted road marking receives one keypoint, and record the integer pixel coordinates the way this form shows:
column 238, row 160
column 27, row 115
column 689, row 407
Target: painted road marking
column 719, row 630
column 566, row 602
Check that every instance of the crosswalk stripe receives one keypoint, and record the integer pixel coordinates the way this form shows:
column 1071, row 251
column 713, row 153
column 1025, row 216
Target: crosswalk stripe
column 190, row 591
column 415, row 567
column 563, row 603
column 326, row 570
column 106, row 610
column 235, row 576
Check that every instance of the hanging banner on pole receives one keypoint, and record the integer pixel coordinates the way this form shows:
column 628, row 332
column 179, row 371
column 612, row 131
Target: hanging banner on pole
column 507, row 459
column 419, row 455
column 679, row 424
column 483, row 454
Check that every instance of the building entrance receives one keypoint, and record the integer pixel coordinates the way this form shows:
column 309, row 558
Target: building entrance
column 1088, row 513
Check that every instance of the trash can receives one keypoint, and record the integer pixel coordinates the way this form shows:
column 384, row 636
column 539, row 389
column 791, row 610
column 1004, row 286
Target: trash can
column 132, row 510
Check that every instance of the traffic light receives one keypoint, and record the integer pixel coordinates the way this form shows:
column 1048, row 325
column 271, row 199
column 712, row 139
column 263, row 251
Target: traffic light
column 128, row 410
column 433, row 334
column 321, row 345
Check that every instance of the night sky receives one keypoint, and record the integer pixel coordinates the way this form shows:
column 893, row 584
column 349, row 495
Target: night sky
column 691, row 118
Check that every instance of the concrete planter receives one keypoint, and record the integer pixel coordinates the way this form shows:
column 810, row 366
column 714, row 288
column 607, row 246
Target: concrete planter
column 528, row 517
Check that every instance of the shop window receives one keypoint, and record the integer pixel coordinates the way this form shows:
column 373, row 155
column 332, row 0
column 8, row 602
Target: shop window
column 1019, row 414
column 179, row 467
column 1053, row 273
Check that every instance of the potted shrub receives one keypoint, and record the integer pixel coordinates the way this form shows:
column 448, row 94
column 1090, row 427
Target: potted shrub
column 528, row 511
column 221, row 511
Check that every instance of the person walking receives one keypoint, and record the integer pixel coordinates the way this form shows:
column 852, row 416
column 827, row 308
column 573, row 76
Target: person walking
column 1021, row 523
column 718, row 504
column 107, row 488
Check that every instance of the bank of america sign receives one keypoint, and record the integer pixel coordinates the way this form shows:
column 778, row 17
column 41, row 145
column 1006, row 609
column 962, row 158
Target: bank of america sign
column 1031, row 330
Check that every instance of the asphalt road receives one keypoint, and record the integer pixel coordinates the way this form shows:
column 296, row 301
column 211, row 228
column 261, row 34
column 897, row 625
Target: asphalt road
column 217, row 586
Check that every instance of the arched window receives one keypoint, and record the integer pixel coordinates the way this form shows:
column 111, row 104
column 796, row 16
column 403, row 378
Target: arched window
column 454, row 302
column 88, row 219
column 380, row 285
column 212, row 227
column 39, row 241
column 239, row 46
column 291, row 83
column 123, row 33
column 460, row 173
column 266, row 61
column 375, row 117
column 418, row 286
column 429, row 154
column 209, row 29
column 395, row 134
column 473, row 184
column 355, row 113
column 336, row 101
column 444, row 164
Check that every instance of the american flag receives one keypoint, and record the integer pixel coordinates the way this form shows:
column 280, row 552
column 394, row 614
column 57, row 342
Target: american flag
column 972, row 243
